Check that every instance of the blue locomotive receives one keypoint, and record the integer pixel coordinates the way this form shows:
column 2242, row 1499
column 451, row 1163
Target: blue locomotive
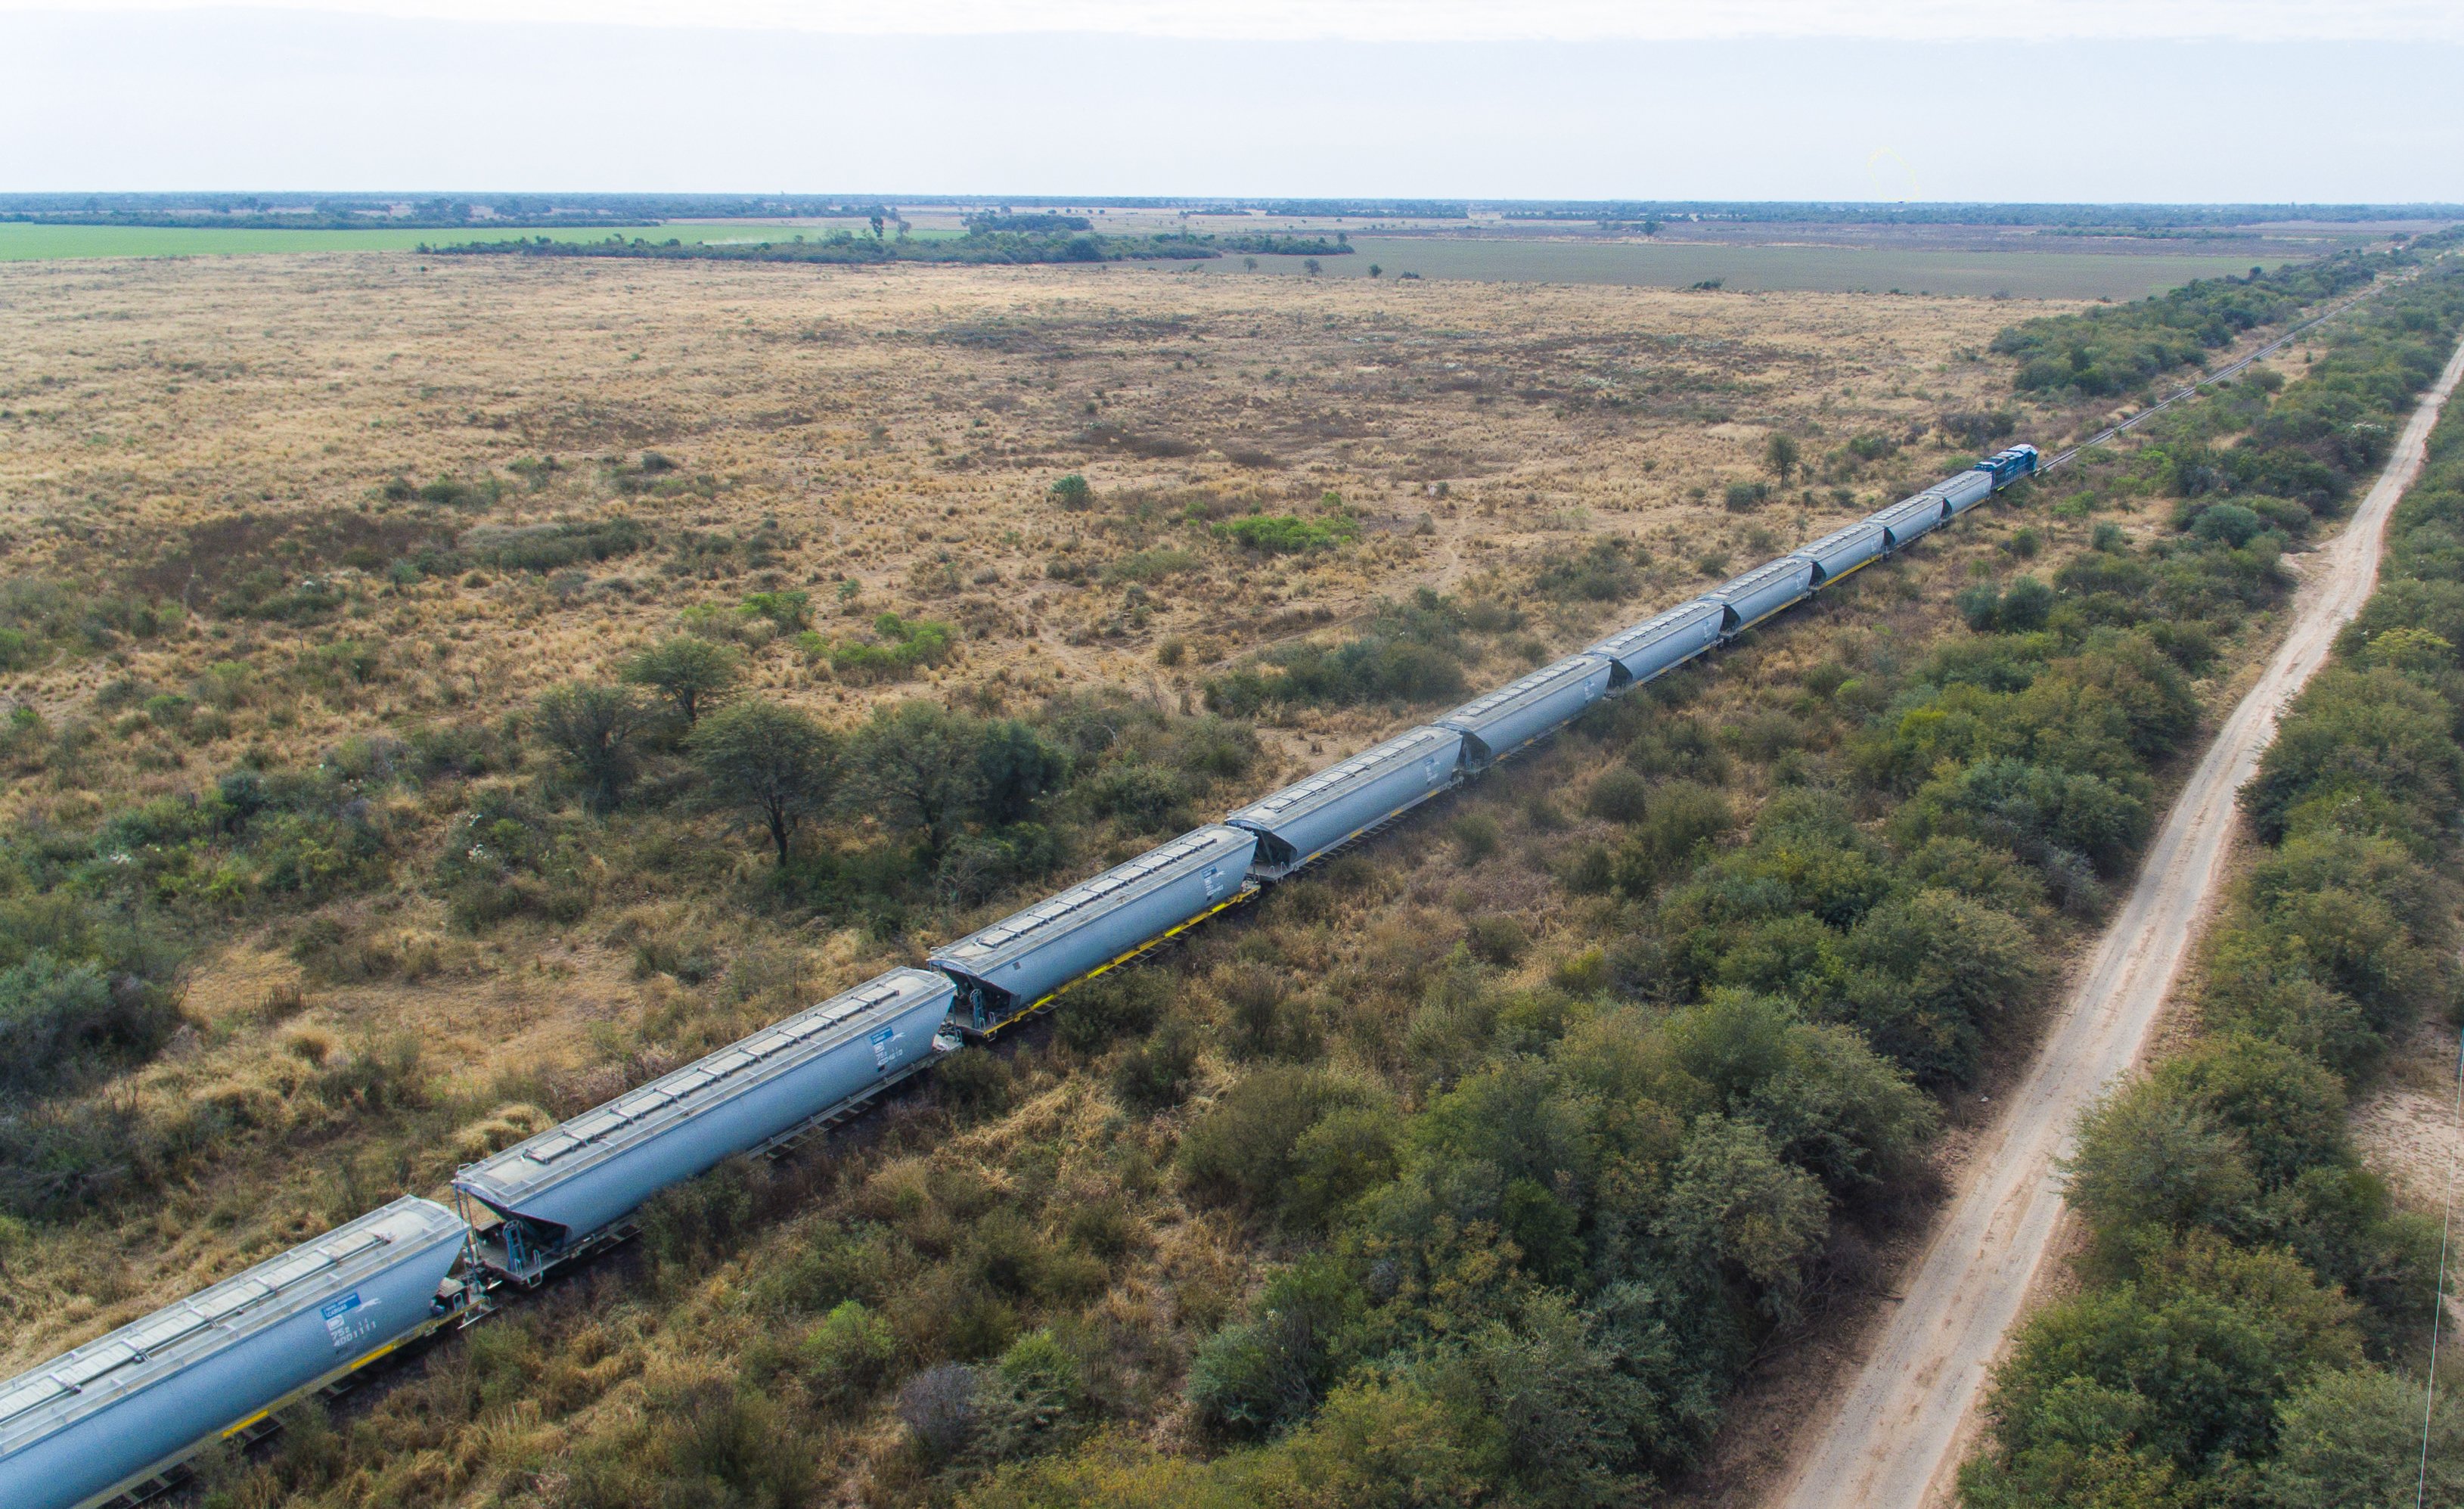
column 117, row 1417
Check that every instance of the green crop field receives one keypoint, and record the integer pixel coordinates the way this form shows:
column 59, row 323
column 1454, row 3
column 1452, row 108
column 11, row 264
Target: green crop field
column 2024, row 274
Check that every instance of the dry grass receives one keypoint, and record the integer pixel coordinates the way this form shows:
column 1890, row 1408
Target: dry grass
column 172, row 426
column 192, row 421
column 890, row 418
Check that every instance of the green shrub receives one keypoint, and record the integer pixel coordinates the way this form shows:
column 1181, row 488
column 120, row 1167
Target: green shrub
column 541, row 549
column 1619, row 796
column 1476, row 836
column 1499, row 940
column 1604, row 572
column 447, row 492
column 2183, row 1369
column 374, row 1074
column 900, row 648
column 1410, row 652
column 694, row 673
column 1115, row 1005
column 62, row 1024
column 2115, row 349
column 598, row 730
column 63, row 1158
column 1154, row 1074
column 1283, row 533
column 1680, row 822
column 974, row 1081
column 2357, row 1436
column 1257, row 1376
column 848, row 1354
column 504, row 859
column 1150, row 566
column 2228, row 523
column 790, row 610
column 1143, row 798
column 1243, row 1150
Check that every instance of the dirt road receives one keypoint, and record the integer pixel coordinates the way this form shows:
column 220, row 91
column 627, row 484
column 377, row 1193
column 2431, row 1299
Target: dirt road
column 1892, row 1442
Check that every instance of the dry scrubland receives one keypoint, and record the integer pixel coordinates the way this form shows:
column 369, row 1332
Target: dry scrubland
column 180, row 425
column 217, row 434
column 885, row 425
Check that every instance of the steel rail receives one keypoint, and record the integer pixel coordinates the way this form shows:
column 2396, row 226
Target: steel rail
column 2225, row 374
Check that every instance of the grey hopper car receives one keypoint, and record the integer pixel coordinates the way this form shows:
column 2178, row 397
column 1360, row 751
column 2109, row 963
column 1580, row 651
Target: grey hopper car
column 1842, row 551
column 1506, row 719
column 1761, row 592
column 1303, row 821
column 1662, row 642
column 558, row 1190
column 135, row 1403
column 1960, row 493
column 1912, row 518
column 1010, row 968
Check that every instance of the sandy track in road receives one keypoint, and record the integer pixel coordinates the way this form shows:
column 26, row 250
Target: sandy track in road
column 1892, row 1441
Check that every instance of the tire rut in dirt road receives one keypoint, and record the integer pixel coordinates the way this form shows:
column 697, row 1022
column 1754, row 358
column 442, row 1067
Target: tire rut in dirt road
column 1892, row 1441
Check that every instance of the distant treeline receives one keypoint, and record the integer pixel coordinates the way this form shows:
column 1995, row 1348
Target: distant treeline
column 2135, row 218
column 415, row 211
column 318, row 211
column 983, row 246
column 2117, row 349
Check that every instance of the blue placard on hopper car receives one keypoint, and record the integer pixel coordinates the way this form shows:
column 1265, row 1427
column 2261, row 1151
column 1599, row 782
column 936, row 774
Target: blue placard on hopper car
column 128, row 1405
column 1307, row 818
column 1011, row 966
column 1496, row 725
column 351, row 1319
column 557, row 1188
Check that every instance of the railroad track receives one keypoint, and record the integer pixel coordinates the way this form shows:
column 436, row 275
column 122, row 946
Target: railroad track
column 2222, row 374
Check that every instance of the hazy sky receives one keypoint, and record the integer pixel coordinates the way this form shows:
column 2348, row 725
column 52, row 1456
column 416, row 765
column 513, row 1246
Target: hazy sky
column 1455, row 20
column 2030, row 100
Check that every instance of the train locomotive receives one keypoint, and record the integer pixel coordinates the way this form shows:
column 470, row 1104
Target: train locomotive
column 111, row 1421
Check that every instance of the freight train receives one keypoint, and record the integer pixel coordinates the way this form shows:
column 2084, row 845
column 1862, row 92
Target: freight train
column 114, row 1419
